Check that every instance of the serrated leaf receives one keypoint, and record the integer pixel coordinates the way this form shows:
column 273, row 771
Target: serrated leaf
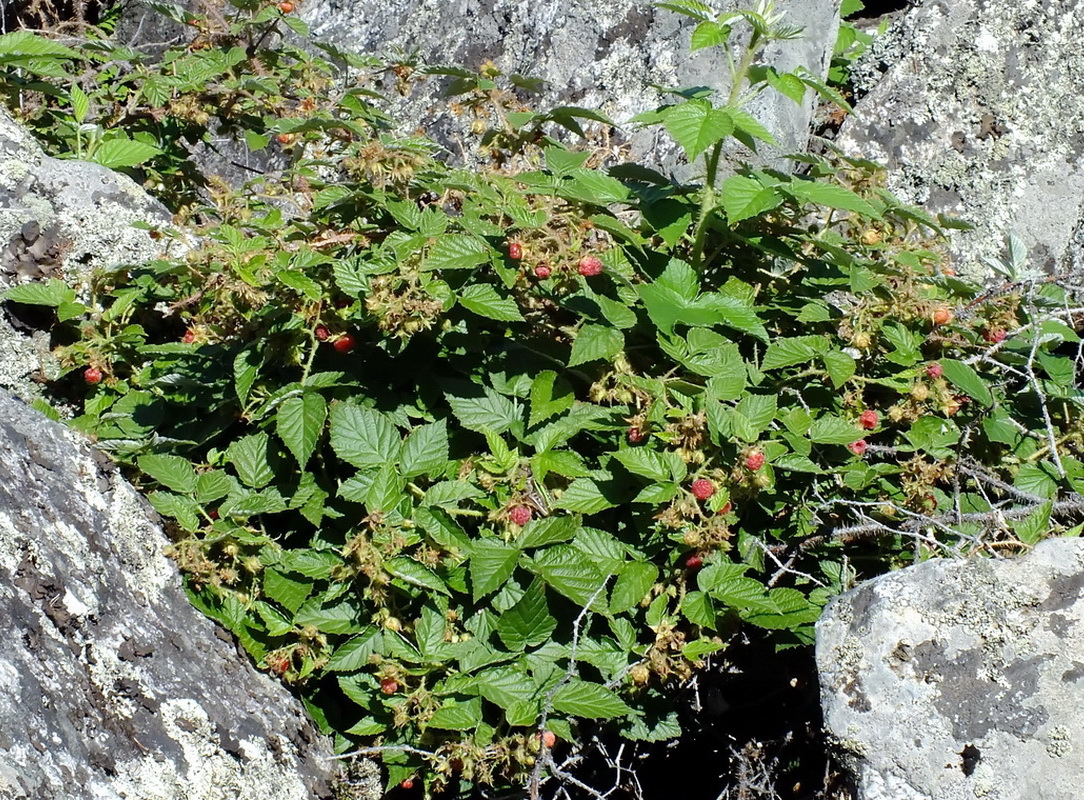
column 651, row 464
column 299, row 423
column 490, row 412
column 831, row 195
column 249, row 457
column 415, row 573
column 354, row 653
column 965, row 377
column 551, row 530
column 458, row 715
column 528, row 623
column 246, row 365
column 795, row 350
column 340, row 616
column 633, row 583
column 117, row 153
column 54, row 293
column 584, row 496
column 287, row 591
column 182, row 509
column 696, row 125
column 425, row 450
column 840, row 367
column 709, row 34
column 491, row 564
column 744, row 198
column 363, row 436
column 567, row 570
column 549, row 395
column 173, row 472
column 830, row 429
column 594, row 343
column 482, row 299
column 579, row 698
column 456, row 251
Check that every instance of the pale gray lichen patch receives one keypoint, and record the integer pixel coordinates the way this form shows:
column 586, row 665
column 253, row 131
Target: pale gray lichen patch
column 993, row 87
column 956, row 654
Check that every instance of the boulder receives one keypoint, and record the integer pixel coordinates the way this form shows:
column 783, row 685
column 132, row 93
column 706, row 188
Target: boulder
column 961, row 679
column 111, row 684
column 604, row 56
column 980, row 115
column 60, row 218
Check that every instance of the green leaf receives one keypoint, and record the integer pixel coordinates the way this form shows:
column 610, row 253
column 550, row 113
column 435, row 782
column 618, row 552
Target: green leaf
column 491, row 564
column 336, row 617
column 299, row 423
column 633, row 583
column 288, row 592
column 584, row 496
column 549, row 396
column 830, row 429
column 117, row 153
column 709, row 34
column 458, row 715
column 245, row 367
column 551, row 530
column 355, row 652
column 796, row 350
column 831, row 195
column 457, row 251
column 744, row 198
column 182, row 509
column 249, row 457
column 965, row 377
column 596, row 342
column 696, row 125
column 25, row 43
column 55, row 293
column 363, row 436
column 425, row 450
column 840, row 367
column 415, row 573
column 567, row 570
column 482, row 299
column 490, row 412
column 528, row 623
column 579, row 698
column 173, row 472
column 651, row 464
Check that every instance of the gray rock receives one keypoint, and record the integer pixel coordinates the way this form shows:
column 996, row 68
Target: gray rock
column 111, row 684
column 71, row 216
column 981, row 115
column 961, row 678
column 61, row 218
column 602, row 56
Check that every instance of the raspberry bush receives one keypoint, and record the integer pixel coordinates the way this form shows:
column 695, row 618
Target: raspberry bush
column 482, row 459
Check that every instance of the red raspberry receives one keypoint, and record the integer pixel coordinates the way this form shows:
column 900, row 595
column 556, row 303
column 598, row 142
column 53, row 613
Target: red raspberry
column 189, row 336
column 520, row 515
column 868, row 420
column 859, row 447
column 694, row 561
column 754, row 461
column 213, row 513
column 542, row 271
column 92, row 375
column 636, row 435
column 703, row 489
column 549, row 738
column 590, row 266
column 995, row 336
column 942, row 315
column 284, row 138
column 322, row 333
column 515, row 251
column 933, row 370
column 389, row 686
column 726, row 509
column 345, row 343
column 408, row 783
column 286, row 7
